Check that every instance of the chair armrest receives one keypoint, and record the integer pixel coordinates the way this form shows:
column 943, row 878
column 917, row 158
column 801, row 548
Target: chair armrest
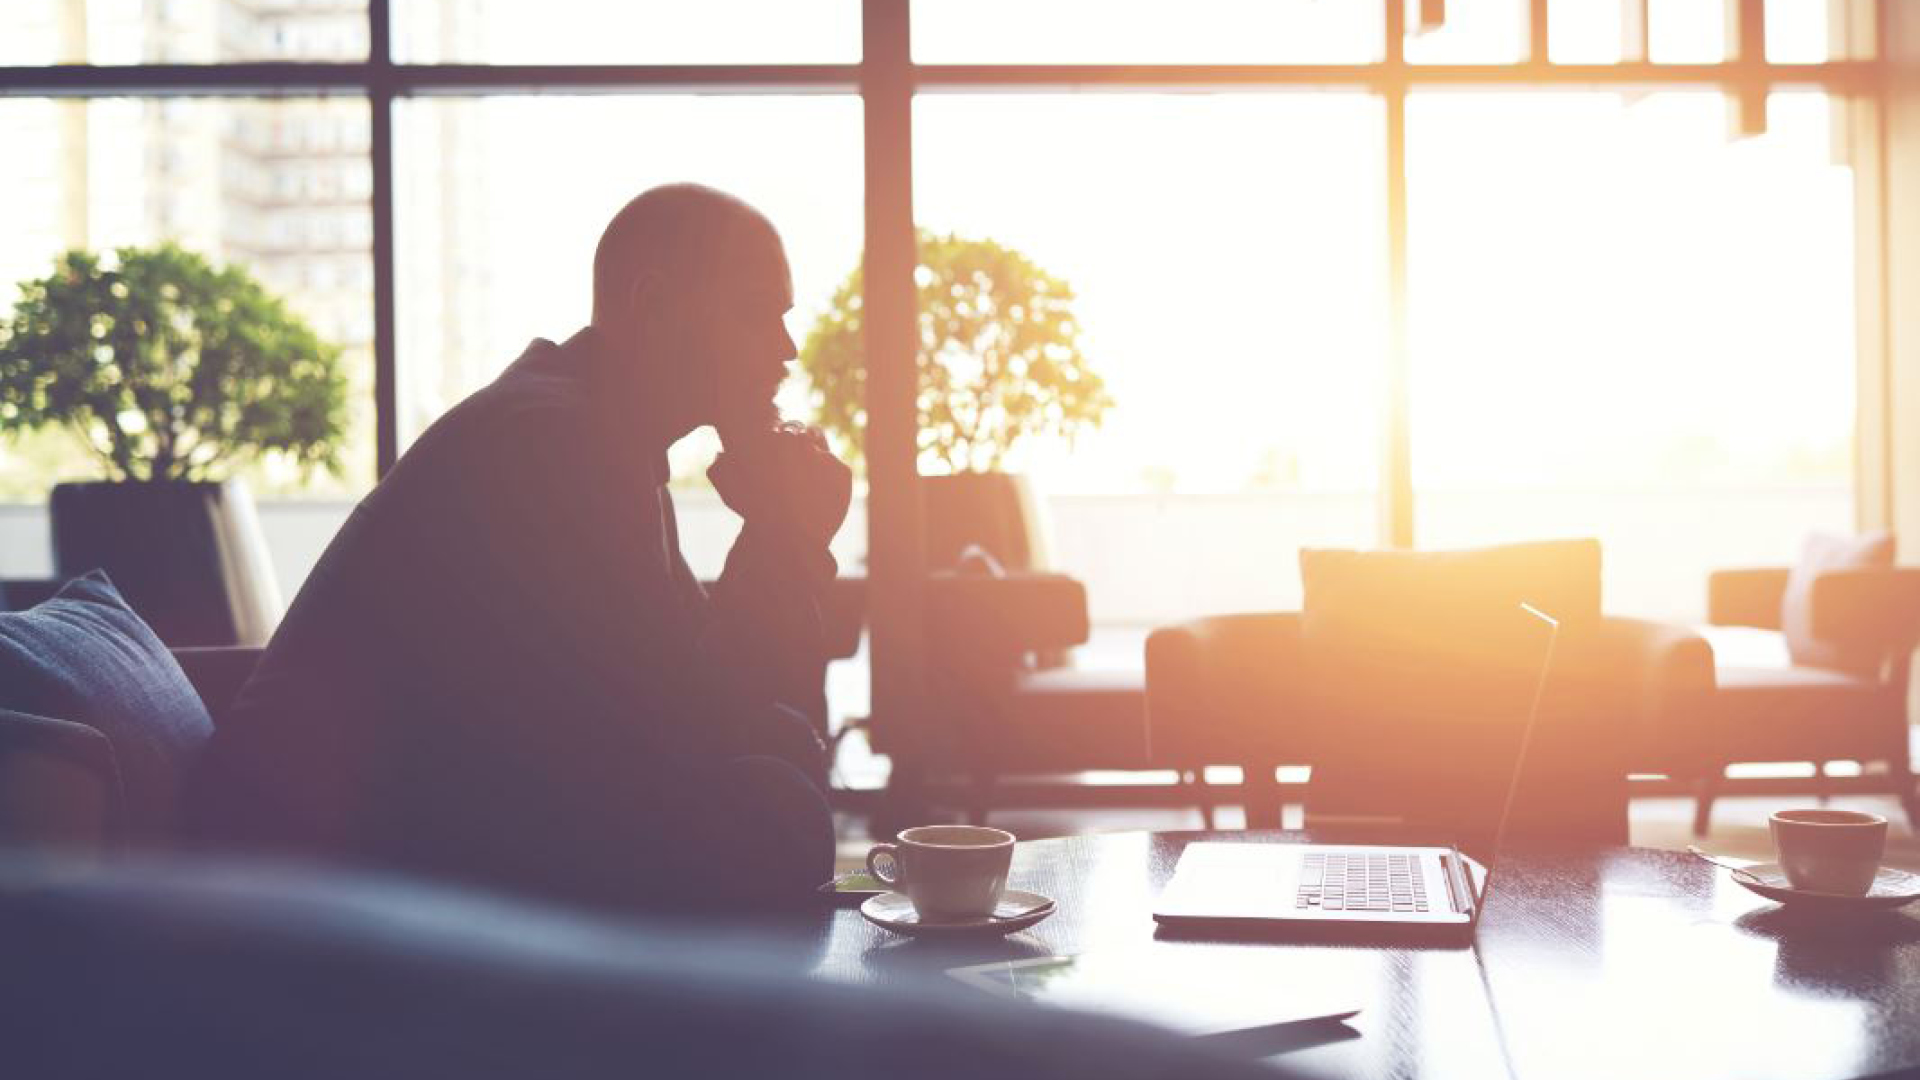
column 1747, row 597
column 59, row 784
column 1218, row 688
column 218, row 673
column 975, row 619
column 1648, row 684
column 1872, row 609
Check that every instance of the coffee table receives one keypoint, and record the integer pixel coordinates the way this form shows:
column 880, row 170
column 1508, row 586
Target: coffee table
column 1614, row 962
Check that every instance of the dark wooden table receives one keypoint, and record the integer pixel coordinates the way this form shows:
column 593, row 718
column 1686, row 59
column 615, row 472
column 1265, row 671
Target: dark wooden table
column 1623, row 962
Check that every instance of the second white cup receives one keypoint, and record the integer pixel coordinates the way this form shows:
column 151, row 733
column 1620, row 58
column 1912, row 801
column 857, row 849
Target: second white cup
column 1829, row 851
column 948, row 871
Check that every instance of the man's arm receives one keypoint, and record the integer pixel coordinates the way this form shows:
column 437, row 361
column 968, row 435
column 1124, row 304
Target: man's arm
column 591, row 576
column 763, row 617
column 765, row 611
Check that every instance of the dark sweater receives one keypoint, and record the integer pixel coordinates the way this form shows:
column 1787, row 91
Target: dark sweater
column 503, row 654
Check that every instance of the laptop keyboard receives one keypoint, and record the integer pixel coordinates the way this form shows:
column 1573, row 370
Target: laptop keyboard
column 1362, row 881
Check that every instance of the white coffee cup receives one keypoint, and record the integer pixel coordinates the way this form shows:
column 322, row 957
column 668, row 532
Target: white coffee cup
column 948, row 871
column 1829, row 851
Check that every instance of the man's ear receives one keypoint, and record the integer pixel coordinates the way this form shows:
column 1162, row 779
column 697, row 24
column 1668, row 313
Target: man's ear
column 645, row 293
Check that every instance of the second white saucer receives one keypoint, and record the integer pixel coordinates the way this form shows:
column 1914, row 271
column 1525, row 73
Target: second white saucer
column 1891, row 888
column 1017, row 910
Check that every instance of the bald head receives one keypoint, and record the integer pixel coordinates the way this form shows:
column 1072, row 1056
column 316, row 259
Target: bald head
column 690, row 292
column 688, row 232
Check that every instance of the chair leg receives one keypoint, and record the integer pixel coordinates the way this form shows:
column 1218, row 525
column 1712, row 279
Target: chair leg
column 1907, row 789
column 1261, row 796
column 1704, row 793
column 1900, row 771
column 1822, row 783
column 1203, row 794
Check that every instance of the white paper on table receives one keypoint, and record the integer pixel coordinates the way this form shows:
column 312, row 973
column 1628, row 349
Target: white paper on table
column 1194, row 989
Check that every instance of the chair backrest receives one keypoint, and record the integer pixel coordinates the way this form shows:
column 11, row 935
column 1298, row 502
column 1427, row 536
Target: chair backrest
column 1425, row 667
column 189, row 557
column 997, row 512
column 1844, row 637
column 1871, row 619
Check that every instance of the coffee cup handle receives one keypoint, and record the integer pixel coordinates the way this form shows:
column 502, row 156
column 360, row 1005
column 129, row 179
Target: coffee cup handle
column 891, row 853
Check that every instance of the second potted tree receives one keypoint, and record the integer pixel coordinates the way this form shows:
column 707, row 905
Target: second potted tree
column 1000, row 363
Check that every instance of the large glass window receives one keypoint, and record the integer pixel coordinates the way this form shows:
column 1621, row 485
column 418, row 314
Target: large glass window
column 1227, row 258
column 1146, row 32
column 1472, row 32
column 628, row 32
column 1626, row 325
column 1614, row 307
column 34, row 32
column 1687, row 32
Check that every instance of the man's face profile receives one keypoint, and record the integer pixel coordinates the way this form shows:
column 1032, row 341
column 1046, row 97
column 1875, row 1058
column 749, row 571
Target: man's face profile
column 716, row 338
column 746, row 345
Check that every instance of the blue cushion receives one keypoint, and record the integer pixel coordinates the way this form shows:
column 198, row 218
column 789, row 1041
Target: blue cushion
column 84, row 656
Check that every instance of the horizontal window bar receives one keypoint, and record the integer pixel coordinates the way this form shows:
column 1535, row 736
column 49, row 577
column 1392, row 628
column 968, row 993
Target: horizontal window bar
column 306, row 79
column 1849, row 75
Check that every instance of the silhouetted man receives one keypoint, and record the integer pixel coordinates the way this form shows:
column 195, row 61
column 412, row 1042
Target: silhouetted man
column 502, row 669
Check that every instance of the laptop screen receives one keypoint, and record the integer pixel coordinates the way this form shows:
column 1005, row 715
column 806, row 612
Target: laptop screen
column 1533, row 720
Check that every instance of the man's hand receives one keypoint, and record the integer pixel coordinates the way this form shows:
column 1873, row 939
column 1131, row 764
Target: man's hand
column 785, row 478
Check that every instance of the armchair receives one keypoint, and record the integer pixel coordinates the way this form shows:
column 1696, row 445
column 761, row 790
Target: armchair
column 1238, row 689
column 1249, row 689
column 1003, row 695
column 994, row 706
column 1843, row 693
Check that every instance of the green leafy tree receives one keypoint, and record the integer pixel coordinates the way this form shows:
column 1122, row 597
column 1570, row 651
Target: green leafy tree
column 999, row 359
column 168, row 367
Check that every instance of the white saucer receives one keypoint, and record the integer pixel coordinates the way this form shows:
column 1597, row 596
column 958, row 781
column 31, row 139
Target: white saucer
column 893, row 911
column 1891, row 888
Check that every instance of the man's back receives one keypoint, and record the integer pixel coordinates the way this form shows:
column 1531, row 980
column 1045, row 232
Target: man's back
column 448, row 690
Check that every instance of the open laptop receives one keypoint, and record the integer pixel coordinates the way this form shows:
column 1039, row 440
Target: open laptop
column 1317, row 890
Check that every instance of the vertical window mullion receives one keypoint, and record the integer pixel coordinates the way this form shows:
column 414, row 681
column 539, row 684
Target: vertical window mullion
column 379, row 86
column 1396, row 458
column 896, row 558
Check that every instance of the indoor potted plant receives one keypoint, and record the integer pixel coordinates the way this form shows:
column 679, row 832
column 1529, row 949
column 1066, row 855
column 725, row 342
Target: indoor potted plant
column 175, row 373
column 999, row 362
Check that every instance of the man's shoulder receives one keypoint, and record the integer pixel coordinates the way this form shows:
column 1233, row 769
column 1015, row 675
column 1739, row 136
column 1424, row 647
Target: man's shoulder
column 542, row 388
column 544, row 376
